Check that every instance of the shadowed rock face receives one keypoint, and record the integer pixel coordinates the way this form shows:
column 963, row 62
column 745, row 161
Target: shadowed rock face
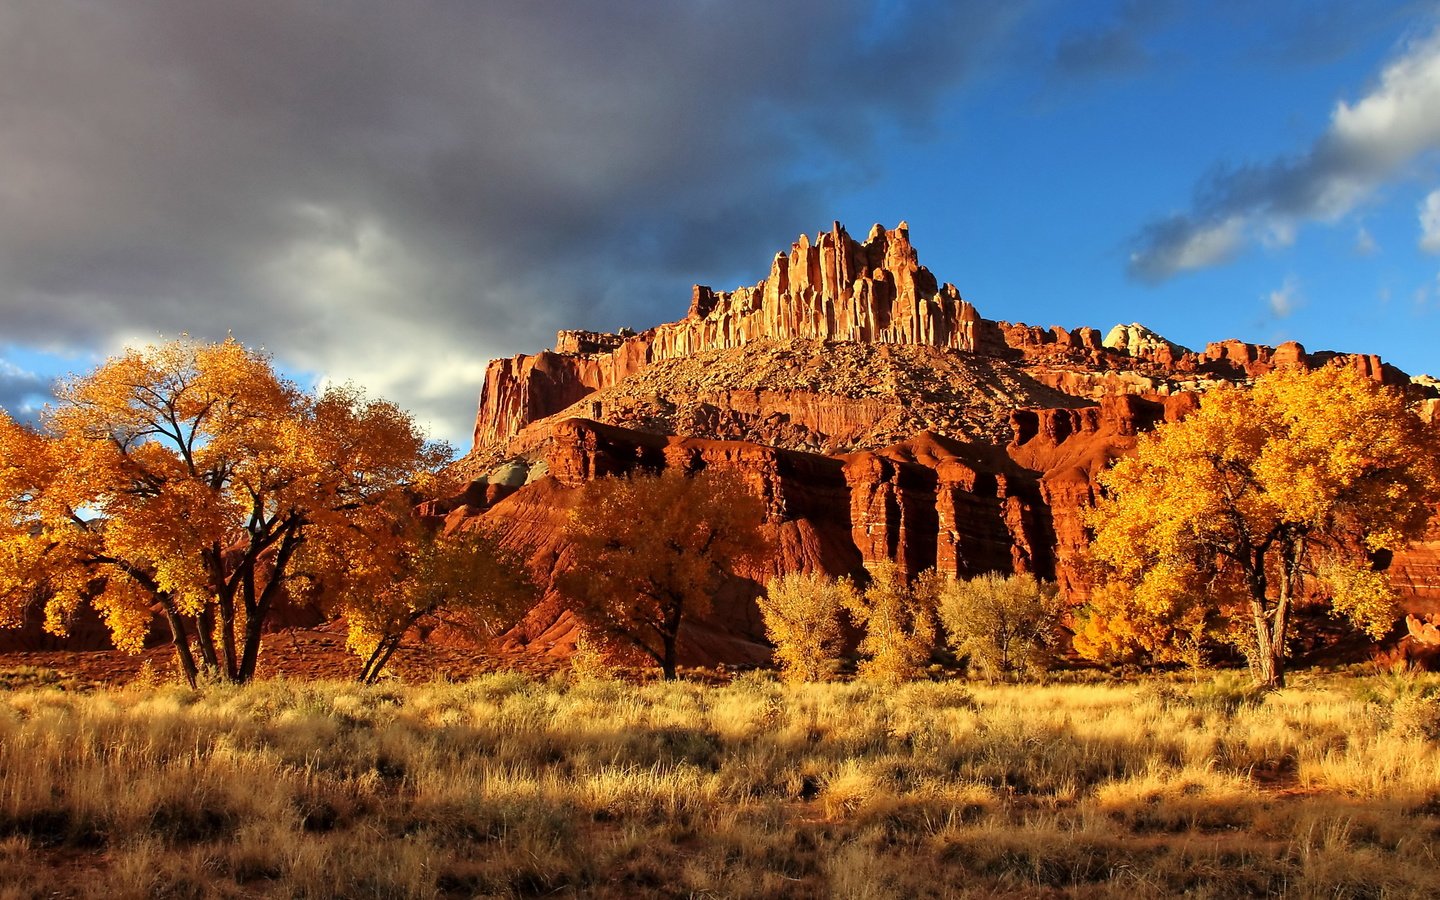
column 928, row 502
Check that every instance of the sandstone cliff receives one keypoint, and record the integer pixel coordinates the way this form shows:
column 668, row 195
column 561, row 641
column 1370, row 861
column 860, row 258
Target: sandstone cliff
column 832, row 288
column 834, row 295
column 877, row 414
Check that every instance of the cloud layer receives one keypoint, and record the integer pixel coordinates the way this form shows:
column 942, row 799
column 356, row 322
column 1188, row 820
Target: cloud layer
column 1367, row 143
column 393, row 193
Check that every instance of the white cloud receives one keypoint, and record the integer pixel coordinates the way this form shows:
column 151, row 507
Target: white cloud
column 1284, row 299
column 1368, row 142
column 1365, row 243
column 1430, row 223
column 1194, row 249
column 1279, row 234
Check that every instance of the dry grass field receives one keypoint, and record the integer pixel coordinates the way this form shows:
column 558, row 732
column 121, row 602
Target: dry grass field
column 508, row 786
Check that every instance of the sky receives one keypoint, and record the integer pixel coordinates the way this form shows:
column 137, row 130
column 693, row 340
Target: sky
column 391, row 194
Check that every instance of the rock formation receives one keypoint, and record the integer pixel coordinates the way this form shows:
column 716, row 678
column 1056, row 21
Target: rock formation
column 877, row 414
column 833, row 288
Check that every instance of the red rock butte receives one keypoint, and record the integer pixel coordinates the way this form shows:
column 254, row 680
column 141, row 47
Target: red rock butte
column 876, row 412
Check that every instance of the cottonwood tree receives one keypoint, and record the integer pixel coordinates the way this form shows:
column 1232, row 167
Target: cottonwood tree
column 185, row 477
column 391, row 571
column 1006, row 624
column 802, row 613
column 1112, row 626
column 898, row 616
column 649, row 552
column 1264, row 493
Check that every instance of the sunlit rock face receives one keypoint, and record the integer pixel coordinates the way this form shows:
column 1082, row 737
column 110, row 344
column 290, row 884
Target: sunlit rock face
column 876, row 413
column 832, row 288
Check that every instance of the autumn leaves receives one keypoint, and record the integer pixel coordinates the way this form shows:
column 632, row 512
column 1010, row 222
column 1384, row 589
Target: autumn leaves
column 190, row 480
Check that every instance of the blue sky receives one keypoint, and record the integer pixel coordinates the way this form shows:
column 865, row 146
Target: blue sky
column 393, row 196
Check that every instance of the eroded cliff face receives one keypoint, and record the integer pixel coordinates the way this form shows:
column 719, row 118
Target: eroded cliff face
column 831, row 288
column 842, row 293
column 927, row 502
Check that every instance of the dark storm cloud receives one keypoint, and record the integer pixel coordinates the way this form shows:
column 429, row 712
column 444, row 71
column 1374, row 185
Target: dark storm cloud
column 1369, row 142
column 393, row 192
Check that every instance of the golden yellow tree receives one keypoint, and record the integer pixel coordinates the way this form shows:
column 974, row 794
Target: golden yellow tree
column 1305, row 476
column 899, row 621
column 185, row 477
column 1112, row 627
column 649, row 552
column 802, row 611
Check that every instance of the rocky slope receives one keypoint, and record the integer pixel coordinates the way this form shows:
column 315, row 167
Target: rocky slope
column 806, row 394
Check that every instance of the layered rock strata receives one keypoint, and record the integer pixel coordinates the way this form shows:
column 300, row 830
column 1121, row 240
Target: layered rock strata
column 832, row 288
column 840, row 291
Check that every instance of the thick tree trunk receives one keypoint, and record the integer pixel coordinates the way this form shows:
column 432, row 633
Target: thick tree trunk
column 250, row 651
column 1267, row 665
column 670, row 639
column 227, row 637
column 257, row 608
column 667, row 664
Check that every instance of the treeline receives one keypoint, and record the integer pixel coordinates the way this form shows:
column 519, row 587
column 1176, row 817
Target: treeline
column 192, row 480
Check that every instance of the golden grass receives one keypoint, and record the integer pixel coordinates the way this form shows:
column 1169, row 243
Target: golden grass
column 506, row 786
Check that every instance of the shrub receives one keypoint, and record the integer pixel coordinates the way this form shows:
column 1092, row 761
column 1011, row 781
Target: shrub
column 1006, row 624
column 802, row 619
column 899, row 622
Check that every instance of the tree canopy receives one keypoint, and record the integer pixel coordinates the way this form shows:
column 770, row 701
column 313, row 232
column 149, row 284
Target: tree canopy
column 1263, row 495
column 186, row 476
column 1006, row 624
column 392, row 571
column 898, row 616
column 650, row 551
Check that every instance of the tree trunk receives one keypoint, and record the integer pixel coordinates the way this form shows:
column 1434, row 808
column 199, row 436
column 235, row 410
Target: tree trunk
column 1268, row 664
column 670, row 638
column 227, row 636
column 257, row 608
column 376, row 664
column 181, row 640
column 205, row 638
column 250, row 651
column 667, row 664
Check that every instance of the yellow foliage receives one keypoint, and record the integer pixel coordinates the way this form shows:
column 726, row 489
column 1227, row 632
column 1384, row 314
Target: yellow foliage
column 1231, row 505
column 186, row 476
column 899, row 623
column 1114, row 627
column 1006, row 624
column 649, row 551
column 404, row 571
column 802, row 619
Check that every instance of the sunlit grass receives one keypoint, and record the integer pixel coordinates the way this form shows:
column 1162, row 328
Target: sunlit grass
column 506, row 786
